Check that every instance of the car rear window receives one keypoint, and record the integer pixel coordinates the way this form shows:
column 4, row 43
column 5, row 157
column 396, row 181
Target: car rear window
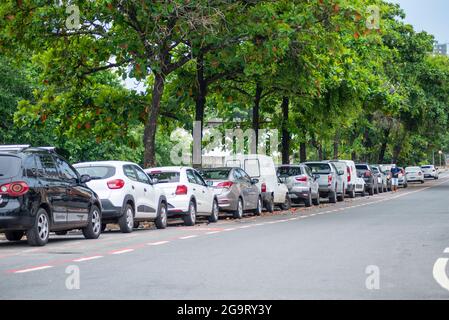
column 413, row 169
column 375, row 170
column 427, row 167
column 165, row 177
column 361, row 167
column 320, row 168
column 97, row 172
column 290, row 171
column 219, row 174
column 9, row 166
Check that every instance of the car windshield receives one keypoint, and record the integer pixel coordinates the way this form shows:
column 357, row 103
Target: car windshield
column 413, row 169
column 362, row 167
column 427, row 167
column 165, row 177
column 320, row 168
column 284, row 172
column 97, row 172
column 218, row 174
column 9, row 166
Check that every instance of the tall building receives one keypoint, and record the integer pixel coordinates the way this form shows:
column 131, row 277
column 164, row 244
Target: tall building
column 440, row 49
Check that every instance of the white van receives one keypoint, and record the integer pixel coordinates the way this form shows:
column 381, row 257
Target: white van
column 262, row 168
column 351, row 177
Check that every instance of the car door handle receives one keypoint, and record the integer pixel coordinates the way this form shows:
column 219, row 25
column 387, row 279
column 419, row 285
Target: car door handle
column 133, row 187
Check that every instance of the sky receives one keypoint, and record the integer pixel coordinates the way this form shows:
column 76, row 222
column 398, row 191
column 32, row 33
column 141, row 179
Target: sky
column 428, row 15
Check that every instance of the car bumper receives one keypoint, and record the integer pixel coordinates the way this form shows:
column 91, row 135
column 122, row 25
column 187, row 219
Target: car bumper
column 15, row 222
column 299, row 193
column 110, row 211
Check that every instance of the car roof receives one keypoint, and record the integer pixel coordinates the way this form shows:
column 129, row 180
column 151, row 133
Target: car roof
column 103, row 163
column 173, row 168
column 219, row 168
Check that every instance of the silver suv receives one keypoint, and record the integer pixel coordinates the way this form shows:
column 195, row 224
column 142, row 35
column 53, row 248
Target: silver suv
column 330, row 180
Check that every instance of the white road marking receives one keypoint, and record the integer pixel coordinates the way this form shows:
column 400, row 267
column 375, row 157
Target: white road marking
column 446, row 250
column 33, row 269
column 157, row 243
column 229, row 229
column 213, row 232
column 188, row 237
column 87, row 258
column 439, row 273
column 122, row 251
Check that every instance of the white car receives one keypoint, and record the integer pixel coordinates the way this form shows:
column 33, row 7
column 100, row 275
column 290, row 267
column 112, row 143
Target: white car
column 431, row 171
column 262, row 168
column 127, row 194
column 414, row 174
column 359, row 186
column 188, row 195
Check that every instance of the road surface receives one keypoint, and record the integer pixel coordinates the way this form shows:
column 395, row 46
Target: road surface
column 390, row 246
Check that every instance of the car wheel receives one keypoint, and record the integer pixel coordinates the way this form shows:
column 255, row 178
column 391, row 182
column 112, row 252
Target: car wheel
column 287, row 203
column 93, row 228
column 308, row 201
column 422, row 182
column 39, row 233
column 215, row 212
column 190, row 217
column 126, row 221
column 352, row 194
column 161, row 220
column 14, row 235
column 341, row 197
column 238, row 214
column 258, row 210
column 269, row 205
column 333, row 197
column 61, row 233
column 363, row 193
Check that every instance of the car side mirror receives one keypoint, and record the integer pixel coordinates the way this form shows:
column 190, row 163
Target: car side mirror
column 254, row 181
column 341, row 172
column 85, row 178
column 209, row 183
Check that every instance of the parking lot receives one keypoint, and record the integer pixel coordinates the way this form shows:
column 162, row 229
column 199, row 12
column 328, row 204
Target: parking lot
column 329, row 246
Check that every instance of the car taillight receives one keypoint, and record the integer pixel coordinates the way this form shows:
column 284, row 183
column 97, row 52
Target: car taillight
column 302, row 179
column 14, row 189
column 226, row 184
column 263, row 187
column 329, row 179
column 368, row 174
column 181, row 190
column 348, row 170
column 116, row 184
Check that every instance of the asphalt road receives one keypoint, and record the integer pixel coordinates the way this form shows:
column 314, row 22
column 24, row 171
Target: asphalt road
column 390, row 246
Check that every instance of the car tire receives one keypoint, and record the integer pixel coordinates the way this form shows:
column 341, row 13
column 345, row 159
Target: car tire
column 161, row 220
column 238, row 214
column 14, row 235
column 363, row 193
column 38, row 235
column 352, row 194
column 317, row 200
column 258, row 210
column 341, row 197
column 93, row 228
column 287, row 203
column 215, row 212
column 308, row 201
column 269, row 205
column 126, row 221
column 61, row 233
column 333, row 197
column 190, row 218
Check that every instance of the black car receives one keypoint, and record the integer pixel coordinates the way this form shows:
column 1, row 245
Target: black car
column 366, row 172
column 40, row 193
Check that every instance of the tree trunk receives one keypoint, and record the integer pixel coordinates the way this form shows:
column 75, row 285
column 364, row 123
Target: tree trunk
column 336, row 145
column 302, row 152
column 149, row 138
column 285, row 132
column 200, row 105
column 256, row 115
column 383, row 147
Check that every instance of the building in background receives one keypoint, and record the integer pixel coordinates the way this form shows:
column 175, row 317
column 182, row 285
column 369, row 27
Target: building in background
column 440, row 48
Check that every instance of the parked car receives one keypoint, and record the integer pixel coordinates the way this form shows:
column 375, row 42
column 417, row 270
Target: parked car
column 385, row 169
column 382, row 180
column 430, row 171
column 360, row 186
column 403, row 182
column 414, row 174
column 40, row 192
column 188, row 195
column 301, row 184
column 342, row 166
column 350, row 176
column 274, row 192
column 127, row 194
column 371, row 183
column 236, row 192
column 329, row 179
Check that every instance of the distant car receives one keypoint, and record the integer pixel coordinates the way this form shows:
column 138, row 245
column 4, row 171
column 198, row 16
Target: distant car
column 40, row 192
column 359, row 186
column 127, row 194
column 274, row 192
column 301, row 183
column 188, row 195
column 430, row 171
column 371, row 183
column 414, row 174
column 329, row 180
column 236, row 192
column 403, row 182
column 382, row 180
